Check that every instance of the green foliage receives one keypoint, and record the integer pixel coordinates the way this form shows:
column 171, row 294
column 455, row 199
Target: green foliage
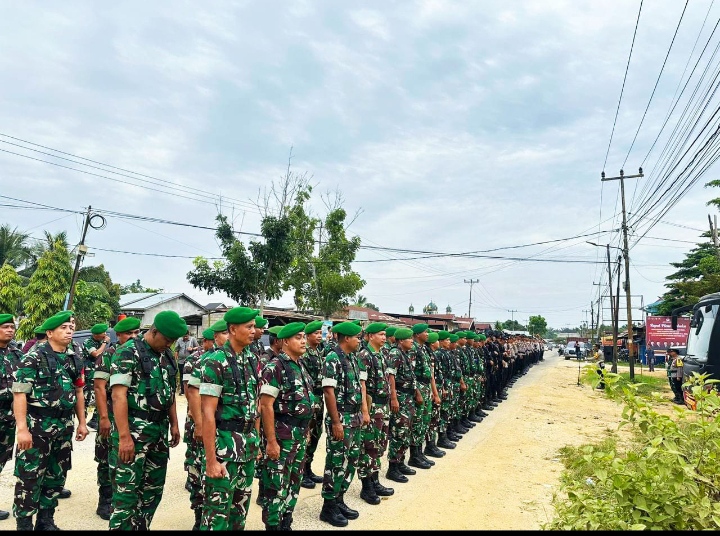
column 537, row 325
column 513, row 325
column 361, row 301
column 92, row 304
column 499, row 325
column 37, row 250
column 133, row 288
column 667, row 478
column 13, row 247
column 47, row 289
column 111, row 291
column 11, row 290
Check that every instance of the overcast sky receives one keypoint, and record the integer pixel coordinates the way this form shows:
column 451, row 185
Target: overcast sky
column 454, row 126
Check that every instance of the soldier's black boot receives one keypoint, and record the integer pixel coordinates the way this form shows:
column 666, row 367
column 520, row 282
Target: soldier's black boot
column 330, row 513
column 345, row 509
column 198, row 518
column 404, row 469
column 444, row 442
column 307, row 481
column 487, row 407
column 415, row 460
column 394, row 474
column 479, row 411
column 474, row 418
column 432, row 450
column 45, row 519
column 64, row 493
column 466, row 423
column 368, row 493
column 4, row 514
column 286, row 522
column 104, row 501
column 422, row 456
column 381, row 490
column 272, row 527
column 24, row 523
column 458, row 428
column 93, row 422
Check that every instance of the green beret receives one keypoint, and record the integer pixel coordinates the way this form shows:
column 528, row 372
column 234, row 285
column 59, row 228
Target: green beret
column 208, row 334
column 56, row 320
column 5, row 319
column 240, row 315
column 433, row 337
column 97, row 329
column 390, row 331
column 128, row 323
column 403, row 333
column 313, row 326
column 260, row 322
column 419, row 328
column 454, row 337
column 357, row 323
column 218, row 326
column 39, row 330
column 376, row 327
column 347, row 328
column 275, row 330
column 442, row 335
column 482, row 337
column 470, row 335
column 292, row 329
column 170, row 324
column 461, row 334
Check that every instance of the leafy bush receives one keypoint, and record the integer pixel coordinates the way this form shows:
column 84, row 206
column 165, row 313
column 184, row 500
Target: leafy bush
column 667, row 478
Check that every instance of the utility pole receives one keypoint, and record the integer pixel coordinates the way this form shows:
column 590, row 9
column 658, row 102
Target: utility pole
column 512, row 314
column 583, row 322
column 82, row 250
column 626, row 254
column 714, row 235
column 592, row 321
column 472, row 282
column 616, row 326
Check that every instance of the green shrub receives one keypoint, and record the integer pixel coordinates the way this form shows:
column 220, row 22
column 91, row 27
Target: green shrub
column 667, row 478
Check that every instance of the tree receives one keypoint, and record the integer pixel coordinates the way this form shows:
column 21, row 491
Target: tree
column 13, row 247
column 11, row 289
column 537, row 325
column 41, row 247
column 361, row 301
column 92, row 304
column 47, row 289
column 136, row 287
column 513, row 325
column 112, row 291
column 499, row 325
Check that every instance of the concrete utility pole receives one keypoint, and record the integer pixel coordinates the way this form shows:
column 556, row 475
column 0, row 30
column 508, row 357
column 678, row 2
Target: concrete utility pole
column 82, row 250
column 472, row 282
column 512, row 314
column 626, row 254
column 714, row 235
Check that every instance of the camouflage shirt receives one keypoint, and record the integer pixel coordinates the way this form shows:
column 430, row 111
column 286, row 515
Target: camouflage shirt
column 89, row 345
column 313, row 361
column 456, row 364
column 229, row 377
column 291, row 386
column 149, row 396
column 192, row 364
column 421, row 363
column 102, row 372
column 344, row 373
column 10, row 358
column 440, row 370
column 401, row 367
column 49, row 387
column 375, row 365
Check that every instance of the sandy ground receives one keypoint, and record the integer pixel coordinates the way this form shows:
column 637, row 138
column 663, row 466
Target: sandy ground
column 501, row 475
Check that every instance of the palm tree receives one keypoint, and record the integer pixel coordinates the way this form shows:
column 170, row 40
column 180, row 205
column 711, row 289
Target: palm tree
column 360, row 301
column 13, row 246
column 40, row 247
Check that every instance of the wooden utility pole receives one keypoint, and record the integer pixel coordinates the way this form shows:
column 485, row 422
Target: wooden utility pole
column 626, row 254
column 472, row 282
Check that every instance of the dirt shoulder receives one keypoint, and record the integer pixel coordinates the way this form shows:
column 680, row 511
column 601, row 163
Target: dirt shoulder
column 501, row 476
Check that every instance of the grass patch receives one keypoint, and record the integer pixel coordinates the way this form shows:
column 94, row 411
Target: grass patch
column 646, row 384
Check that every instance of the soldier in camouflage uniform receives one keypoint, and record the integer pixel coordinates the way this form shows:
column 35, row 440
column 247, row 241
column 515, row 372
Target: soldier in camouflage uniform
column 344, row 390
column 404, row 395
column 10, row 357
column 431, row 448
column 126, row 329
column 423, row 374
column 389, row 339
column 455, row 430
column 286, row 409
column 93, row 348
column 374, row 435
column 313, row 361
column 47, row 389
column 444, row 364
column 228, row 393
column 143, row 377
column 256, row 347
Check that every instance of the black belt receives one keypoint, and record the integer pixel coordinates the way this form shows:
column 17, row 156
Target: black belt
column 55, row 413
column 292, row 421
column 152, row 416
column 409, row 390
column 240, row 426
column 318, row 392
column 6, row 404
column 425, row 381
column 348, row 408
column 378, row 399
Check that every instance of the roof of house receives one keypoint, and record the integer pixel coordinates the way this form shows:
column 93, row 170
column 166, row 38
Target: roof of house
column 142, row 301
column 215, row 306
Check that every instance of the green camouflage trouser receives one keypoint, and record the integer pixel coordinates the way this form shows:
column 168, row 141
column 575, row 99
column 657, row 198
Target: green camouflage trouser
column 434, row 422
column 341, row 458
column 138, row 485
column 7, row 441
column 421, row 421
column 316, row 427
column 41, row 471
column 374, row 440
column 445, row 410
column 466, row 397
column 102, row 457
column 194, row 456
column 227, row 498
column 401, row 427
column 281, row 478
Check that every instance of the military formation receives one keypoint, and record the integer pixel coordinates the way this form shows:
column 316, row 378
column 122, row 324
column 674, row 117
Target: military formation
column 253, row 413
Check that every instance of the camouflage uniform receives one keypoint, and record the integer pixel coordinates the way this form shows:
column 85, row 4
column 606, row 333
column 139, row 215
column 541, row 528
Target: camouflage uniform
column 49, row 380
column 230, row 377
column 89, row 345
column 313, row 361
column 10, row 358
column 421, row 367
column 195, row 450
column 343, row 373
column 103, row 444
column 374, row 439
column 292, row 388
column 434, row 424
column 443, row 382
column 151, row 382
column 401, row 367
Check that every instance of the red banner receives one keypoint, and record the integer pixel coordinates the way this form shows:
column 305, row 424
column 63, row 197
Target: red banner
column 659, row 334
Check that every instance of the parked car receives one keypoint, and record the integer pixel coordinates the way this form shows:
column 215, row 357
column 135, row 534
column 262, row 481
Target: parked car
column 570, row 351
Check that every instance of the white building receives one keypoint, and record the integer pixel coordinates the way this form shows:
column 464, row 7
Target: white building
column 145, row 305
